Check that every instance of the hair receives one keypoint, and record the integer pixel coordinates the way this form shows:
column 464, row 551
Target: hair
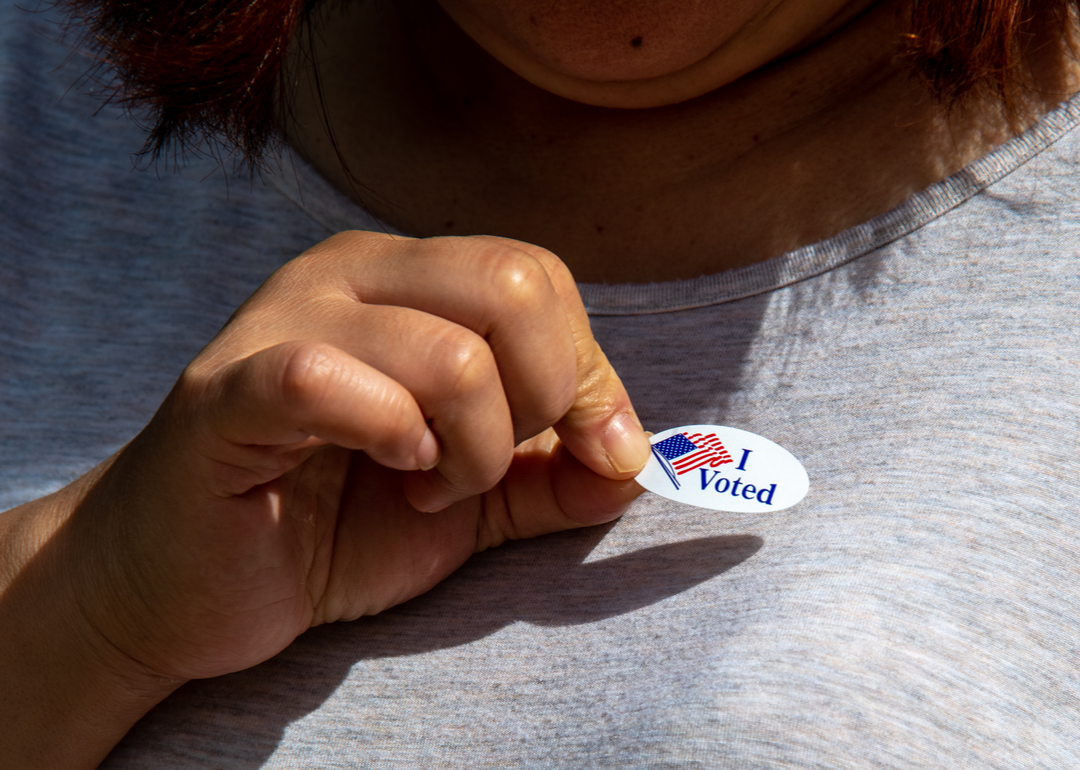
column 962, row 47
column 194, row 70
column 214, row 69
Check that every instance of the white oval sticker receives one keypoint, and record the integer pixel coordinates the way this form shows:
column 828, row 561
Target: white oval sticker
column 725, row 469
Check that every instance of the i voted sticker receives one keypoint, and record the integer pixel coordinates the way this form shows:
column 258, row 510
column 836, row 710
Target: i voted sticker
column 725, row 469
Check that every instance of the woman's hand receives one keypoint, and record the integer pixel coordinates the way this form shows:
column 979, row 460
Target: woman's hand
column 378, row 411
column 347, row 441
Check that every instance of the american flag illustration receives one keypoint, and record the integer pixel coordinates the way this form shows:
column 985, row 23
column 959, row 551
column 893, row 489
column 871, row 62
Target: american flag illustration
column 683, row 453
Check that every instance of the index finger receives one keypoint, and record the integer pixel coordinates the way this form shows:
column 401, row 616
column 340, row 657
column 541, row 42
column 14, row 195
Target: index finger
column 601, row 428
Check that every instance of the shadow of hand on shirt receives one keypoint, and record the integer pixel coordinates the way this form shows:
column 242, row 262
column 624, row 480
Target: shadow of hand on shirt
column 555, row 587
column 545, row 581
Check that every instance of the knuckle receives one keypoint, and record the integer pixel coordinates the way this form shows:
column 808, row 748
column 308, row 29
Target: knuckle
column 308, row 371
column 519, row 281
column 555, row 271
column 465, row 361
column 499, row 262
column 554, row 267
column 538, row 252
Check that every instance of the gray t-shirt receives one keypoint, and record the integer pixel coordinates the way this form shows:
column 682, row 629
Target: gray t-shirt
column 920, row 608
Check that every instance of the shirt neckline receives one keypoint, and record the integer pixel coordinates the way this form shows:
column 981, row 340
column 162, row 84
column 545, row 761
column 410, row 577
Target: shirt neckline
column 301, row 184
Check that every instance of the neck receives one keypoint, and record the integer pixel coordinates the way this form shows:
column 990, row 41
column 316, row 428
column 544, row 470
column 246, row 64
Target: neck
column 440, row 139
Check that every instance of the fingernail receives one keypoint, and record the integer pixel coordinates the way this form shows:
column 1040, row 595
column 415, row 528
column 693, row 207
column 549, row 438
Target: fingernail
column 625, row 444
column 427, row 454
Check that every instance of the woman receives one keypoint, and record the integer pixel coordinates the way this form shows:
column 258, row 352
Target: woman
column 777, row 226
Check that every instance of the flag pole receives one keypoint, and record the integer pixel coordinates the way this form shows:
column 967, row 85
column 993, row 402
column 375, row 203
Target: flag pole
column 667, row 467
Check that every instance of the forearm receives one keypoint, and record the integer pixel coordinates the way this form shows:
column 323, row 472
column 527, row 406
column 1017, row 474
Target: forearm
column 66, row 696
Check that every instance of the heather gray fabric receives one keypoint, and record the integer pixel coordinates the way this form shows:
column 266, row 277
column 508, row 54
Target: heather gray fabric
column 920, row 608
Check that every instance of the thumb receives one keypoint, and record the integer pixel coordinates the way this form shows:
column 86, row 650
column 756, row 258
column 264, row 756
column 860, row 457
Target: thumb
column 601, row 429
column 547, row 489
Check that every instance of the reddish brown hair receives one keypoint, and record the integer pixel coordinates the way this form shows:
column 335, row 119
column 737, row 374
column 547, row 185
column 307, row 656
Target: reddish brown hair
column 962, row 46
column 196, row 69
column 213, row 68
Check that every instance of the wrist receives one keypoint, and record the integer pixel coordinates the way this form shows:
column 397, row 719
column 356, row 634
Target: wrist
column 67, row 695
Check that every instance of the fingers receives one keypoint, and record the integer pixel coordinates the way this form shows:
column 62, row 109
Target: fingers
column 447, row 370
column 524, row 302
column 496, row 289
column 487, row 337
column 285, row 395
column 453, row 375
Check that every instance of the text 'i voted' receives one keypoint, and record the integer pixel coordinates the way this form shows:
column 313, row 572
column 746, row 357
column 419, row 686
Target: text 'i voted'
column 725, row 469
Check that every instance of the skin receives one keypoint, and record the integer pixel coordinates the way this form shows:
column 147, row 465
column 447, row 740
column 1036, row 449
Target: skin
column 290, row 478
column 357, row 430
column 629, row 54
column 441, row 137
